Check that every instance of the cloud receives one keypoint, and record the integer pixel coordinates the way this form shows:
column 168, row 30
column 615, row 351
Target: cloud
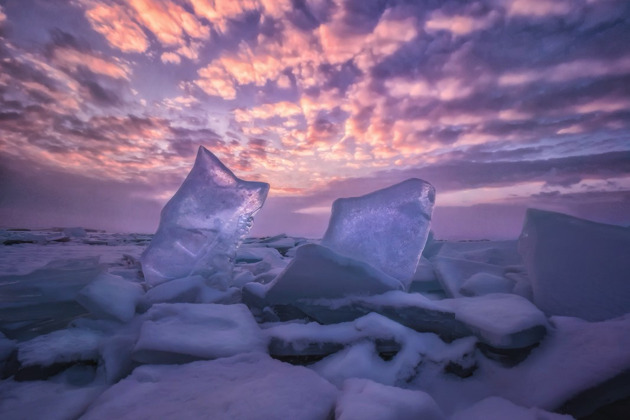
column 169, row 57
column 458, row 24
column 168, row 21
column 114, row 22
column 539, row 8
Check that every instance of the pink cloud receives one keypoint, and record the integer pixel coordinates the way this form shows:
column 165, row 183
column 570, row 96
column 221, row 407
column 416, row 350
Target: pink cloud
column 170, row 57
column 538, row 7
column 458, row 24
column 168, row 21
column 72, row 58
column 116, row 25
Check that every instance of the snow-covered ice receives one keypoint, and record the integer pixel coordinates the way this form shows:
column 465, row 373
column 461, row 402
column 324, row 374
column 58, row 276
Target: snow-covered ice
column 244, row 387
column 68, row 345
column 111, row 296
column 181, row 332
column 577, row 267
column 387, row 228
column 202, row 225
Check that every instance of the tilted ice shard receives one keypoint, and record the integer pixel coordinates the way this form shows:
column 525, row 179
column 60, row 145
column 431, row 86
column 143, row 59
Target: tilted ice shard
column 203, row 224
column 576, row 267
column 387, row 228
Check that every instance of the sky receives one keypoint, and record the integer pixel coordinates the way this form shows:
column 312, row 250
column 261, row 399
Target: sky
column 500, row 104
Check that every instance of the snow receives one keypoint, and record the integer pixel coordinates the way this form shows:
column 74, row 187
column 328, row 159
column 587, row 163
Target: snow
column 496, row 408
column 576, row 267
column 368, row 400
column 63, row 397
column 501, row 320
column 202, row 225
column 319, row 272
column 387, row 228
column 361, row 358
column 111, row 296
column 247, row 386
column 177, row 332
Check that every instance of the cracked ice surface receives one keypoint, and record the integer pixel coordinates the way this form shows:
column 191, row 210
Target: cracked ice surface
column 387, row 228
column 203, row 224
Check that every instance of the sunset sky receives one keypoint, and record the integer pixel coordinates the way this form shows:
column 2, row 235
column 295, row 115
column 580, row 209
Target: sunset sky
column 500, row 104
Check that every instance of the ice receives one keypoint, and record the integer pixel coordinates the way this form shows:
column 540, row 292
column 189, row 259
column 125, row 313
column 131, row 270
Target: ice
column 181, row 332
column 502, row 321
column 318, row 272
column 577, row 267
column 191, row 289
column 382, row 334
column 75, row 232
column 70, row 345
column 420, row 354
column 453, row 273
column 483, row 283
column 496, row 408
column 111, row 296
column 44, row 300
column 424, row 279
column 6, row 348
column 387, row 228
column 368, row 400
column 203, row 224
column 504, row 253
column 574, row 357
column 243, row 387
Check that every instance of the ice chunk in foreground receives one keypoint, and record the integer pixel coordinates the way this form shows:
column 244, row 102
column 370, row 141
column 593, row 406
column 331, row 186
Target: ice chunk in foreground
column 111, row 296
column 369, row 400
column 576, row 267
column 72, row 344
column 387, row 228
column 319, row 272
column 181, row 332
column 243, row 387
column 203, row 224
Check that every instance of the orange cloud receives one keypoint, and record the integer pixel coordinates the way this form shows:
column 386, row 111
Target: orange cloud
column 170, row 57
column 569, row 71
column 116, row 25
column 71, row 58
column 215, row 80
column 168, row 21
column 458, row 24
column 538, row 7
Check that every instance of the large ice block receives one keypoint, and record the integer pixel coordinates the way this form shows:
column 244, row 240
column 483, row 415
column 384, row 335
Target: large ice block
column 318, row 272
column 203, row 224
column 387, row 228
column 576, row 267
